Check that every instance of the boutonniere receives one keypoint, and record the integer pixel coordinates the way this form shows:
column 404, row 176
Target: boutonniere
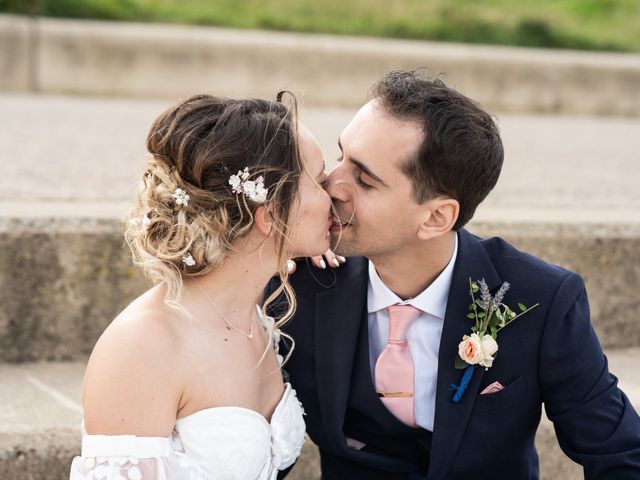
column 481, row 347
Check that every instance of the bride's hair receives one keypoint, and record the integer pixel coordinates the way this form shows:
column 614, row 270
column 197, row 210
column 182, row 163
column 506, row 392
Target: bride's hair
column 196, row 146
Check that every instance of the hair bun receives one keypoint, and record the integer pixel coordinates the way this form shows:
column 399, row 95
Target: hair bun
column 186, row 215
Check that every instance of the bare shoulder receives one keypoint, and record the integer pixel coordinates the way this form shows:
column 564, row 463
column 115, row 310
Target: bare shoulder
column 133, row 378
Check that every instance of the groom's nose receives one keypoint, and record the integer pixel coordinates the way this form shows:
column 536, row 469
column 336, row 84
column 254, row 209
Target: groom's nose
column 338, row 187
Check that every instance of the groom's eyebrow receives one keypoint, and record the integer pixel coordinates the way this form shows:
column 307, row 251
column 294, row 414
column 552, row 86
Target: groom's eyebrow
column 366, row 170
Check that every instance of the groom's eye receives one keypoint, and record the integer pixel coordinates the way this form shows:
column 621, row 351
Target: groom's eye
column 359, row 181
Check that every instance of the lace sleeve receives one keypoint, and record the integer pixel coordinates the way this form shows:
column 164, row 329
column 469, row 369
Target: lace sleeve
column 126, row 457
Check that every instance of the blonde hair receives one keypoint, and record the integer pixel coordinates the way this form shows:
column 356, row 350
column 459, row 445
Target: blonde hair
column 196, row 146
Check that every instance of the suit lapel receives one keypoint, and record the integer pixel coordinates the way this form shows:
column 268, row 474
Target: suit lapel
column 450, row 418
column 339, row 312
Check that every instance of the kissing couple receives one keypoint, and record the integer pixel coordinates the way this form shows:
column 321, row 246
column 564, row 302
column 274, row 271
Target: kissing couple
column 404, row 346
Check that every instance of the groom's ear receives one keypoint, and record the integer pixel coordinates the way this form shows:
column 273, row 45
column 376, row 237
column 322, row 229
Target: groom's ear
column 441, row 214
column 263, row 220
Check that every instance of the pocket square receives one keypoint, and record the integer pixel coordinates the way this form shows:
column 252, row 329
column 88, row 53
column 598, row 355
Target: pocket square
column 493, row 388
column 355, row 444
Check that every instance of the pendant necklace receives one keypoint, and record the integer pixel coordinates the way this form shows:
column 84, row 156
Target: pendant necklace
column 213, row 304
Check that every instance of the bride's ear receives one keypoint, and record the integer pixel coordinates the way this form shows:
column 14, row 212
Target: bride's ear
column 263, row 220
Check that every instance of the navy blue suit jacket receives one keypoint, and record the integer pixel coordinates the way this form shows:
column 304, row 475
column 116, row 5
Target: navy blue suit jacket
column 550, row 355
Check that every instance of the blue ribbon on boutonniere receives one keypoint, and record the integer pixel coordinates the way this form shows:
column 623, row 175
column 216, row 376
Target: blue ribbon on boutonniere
column 464, row 383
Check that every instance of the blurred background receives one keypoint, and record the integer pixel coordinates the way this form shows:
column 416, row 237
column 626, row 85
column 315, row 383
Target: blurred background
column 609, row 25
column 82, row 80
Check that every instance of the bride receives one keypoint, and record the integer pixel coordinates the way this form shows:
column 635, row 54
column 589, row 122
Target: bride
column 186, row 383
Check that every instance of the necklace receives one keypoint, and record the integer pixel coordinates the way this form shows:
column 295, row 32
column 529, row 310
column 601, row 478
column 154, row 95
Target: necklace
column 213, row 304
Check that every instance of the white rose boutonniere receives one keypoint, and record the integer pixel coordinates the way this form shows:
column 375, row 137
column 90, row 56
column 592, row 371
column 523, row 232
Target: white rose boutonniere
column 480, row 348
column 489, row 348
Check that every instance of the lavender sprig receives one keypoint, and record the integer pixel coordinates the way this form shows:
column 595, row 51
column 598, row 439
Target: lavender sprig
column 497, row 299
column 485, row 295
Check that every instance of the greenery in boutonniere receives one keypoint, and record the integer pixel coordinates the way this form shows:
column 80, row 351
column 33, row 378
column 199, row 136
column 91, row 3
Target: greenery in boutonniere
column 490, row 315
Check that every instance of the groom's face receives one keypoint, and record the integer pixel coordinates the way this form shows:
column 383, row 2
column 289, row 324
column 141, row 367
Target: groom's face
column 373, row 201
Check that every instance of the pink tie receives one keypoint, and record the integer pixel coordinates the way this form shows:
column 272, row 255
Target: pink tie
column 394, row 368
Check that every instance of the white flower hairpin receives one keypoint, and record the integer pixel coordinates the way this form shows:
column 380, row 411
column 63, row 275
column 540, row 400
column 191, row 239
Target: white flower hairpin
column 253, row 189
column 143, row 222
column 188, row 260
column 181, row 196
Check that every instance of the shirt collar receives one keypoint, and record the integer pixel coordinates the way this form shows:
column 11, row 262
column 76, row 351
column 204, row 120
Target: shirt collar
column 432, row 300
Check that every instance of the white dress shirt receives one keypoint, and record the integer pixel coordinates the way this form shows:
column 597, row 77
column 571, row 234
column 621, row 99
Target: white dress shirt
column 423, row 335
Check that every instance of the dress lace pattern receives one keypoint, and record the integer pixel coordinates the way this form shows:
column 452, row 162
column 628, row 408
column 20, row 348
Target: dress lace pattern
column 219, row 443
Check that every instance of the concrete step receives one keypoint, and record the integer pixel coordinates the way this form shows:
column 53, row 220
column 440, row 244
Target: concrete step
column 62, row 280
column 68, row 154
column 41, row 415
column 568, row 193
column 126, row 59
column 58, row 152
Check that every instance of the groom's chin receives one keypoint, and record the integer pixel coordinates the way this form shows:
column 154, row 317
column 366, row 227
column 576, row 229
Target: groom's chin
column 341, row 245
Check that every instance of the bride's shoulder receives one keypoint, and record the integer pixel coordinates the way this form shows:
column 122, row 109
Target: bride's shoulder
column 145, row 327
column 134, row 370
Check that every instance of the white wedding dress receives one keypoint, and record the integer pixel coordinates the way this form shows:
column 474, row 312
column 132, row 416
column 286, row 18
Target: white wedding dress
column 218, row 443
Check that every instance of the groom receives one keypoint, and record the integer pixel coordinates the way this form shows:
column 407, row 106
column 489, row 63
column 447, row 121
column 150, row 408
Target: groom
column 378, row 339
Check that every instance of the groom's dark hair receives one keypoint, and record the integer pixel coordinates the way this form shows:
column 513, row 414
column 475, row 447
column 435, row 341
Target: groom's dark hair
column 461, row 154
